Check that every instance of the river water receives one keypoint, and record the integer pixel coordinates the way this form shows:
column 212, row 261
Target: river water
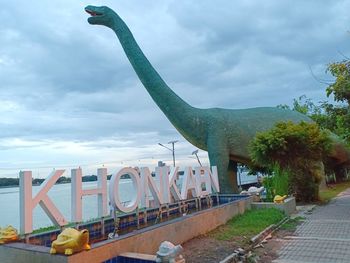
column 60, row 194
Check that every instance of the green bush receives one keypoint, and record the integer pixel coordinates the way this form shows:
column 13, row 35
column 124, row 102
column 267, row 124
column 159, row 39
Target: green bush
column 268, row 184
column 277, row 183
column 281, row 180
column 295, row 152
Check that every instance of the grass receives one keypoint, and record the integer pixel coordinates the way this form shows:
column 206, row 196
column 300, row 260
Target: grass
column 327, row 194
column 249, row 224
column 292, row 223
column 45, row 229
column 52, row 228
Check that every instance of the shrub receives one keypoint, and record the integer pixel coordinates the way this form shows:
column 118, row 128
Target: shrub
column 293, row 151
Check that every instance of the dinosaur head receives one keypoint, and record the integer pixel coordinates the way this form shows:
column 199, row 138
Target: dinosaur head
column 100, row 15
column 84, row 237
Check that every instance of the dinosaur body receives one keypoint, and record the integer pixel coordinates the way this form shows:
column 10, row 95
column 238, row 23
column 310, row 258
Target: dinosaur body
column 224, row 133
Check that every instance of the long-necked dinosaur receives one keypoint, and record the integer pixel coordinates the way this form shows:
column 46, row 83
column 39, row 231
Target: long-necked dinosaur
column 224, row 133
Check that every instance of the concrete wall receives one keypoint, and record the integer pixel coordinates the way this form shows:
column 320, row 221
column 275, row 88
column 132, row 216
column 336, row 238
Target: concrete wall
column 145, row 240
column 289, row 205
column 20, row 252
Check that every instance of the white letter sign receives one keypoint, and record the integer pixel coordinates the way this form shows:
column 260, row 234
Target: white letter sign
column 114, row 193
column 188, row 183
column 149, row 185
column 164, row 189
column 203, row 179
column 78, row 192
column 27, row 203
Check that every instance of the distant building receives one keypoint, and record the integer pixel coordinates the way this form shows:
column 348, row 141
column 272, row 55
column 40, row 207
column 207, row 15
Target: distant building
column 161, row 164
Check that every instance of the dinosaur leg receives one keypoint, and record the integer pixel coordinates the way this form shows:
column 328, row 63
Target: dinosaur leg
column 87, row 247
column 319, row 177
column 68, row 251
column 227, row 169
column 322, row 174
column 232, row 175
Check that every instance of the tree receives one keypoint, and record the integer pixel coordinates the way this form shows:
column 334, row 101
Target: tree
column 341, row 87
column 335, row 118
column 297, row 149
column 9, row 182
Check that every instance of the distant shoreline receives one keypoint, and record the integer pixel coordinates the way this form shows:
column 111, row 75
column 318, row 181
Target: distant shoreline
column 6, row 182
column 16, row 186
column 8, row 186
column 85, row 179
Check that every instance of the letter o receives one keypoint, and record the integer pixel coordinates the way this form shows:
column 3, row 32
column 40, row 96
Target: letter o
column 114, row 193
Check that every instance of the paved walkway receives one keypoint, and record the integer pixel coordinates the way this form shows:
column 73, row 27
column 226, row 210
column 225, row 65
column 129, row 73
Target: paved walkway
column 324, row 237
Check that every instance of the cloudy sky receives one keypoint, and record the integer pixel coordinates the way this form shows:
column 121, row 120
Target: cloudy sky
column 70, row 98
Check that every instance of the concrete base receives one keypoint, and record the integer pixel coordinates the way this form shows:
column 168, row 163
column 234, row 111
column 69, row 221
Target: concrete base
column 289, row 205
column 141, row 256
column 145, row 240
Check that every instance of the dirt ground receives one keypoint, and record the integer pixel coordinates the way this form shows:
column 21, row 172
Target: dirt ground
column 267, row 252
column 205, row 249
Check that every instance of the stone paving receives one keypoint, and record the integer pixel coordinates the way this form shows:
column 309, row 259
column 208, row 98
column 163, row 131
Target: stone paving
column 323, row 237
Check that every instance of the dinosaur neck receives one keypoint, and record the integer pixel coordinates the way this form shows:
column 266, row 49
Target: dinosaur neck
column 180, row 114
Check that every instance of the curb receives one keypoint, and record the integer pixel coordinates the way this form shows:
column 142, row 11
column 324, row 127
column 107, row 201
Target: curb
column 259, row 237
column 231, row 258
column 256, row 239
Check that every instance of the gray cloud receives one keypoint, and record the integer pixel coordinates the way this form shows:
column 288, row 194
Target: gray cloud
column 63, row 80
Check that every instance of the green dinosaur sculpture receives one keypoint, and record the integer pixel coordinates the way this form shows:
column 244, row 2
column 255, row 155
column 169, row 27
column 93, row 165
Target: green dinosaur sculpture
column 224, row 133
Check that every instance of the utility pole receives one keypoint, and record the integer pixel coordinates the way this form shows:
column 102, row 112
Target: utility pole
column 170, row 149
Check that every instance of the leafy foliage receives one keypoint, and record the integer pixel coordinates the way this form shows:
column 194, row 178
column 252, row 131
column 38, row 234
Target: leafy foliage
column 281, row 180
column 268, row 184
column 9, row 182
column 341, row 87
column 329, row 193
column 287, row 141
column 276, row 182
column 329, row 115
column 297, row 150
column 335, row 118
